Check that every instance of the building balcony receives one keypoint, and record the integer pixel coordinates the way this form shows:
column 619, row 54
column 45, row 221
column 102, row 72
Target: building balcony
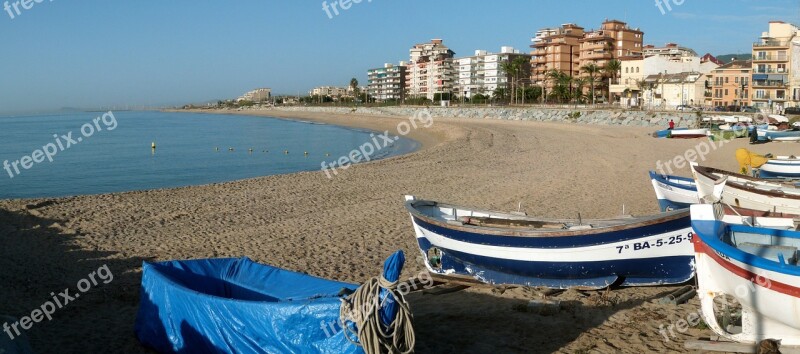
column 593, row 45
column 770, row 57
column 771, row 43
column 775, row 84
column 596, row 55
column 770, row 71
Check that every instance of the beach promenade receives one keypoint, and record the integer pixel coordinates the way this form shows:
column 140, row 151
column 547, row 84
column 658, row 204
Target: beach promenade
column 343, row 227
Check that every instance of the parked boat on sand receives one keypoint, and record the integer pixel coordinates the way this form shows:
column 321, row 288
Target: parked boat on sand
column 506, row 248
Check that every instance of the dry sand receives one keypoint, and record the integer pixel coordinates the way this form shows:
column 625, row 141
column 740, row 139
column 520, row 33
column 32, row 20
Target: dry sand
column 343, row 228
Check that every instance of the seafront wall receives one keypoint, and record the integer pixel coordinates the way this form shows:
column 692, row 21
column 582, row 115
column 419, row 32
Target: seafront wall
column 567, row 115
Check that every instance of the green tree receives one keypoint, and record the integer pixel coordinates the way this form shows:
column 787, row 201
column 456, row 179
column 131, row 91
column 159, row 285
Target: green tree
column 592, row 70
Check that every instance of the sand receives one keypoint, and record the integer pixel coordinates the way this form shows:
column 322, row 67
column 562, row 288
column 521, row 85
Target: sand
column 342, row 228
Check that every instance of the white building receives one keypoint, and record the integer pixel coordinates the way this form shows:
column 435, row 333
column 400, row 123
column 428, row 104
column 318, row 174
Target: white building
column 672, row 90
column 430, row 70
column 482, row 72
column 329, row 91
column 636, row 69
column 257, row 95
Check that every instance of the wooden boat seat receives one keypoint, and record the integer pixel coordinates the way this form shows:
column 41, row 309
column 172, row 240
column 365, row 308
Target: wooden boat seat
column 780, row 254
column 490, row 222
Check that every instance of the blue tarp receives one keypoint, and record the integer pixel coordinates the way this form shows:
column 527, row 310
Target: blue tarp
column 239, row 306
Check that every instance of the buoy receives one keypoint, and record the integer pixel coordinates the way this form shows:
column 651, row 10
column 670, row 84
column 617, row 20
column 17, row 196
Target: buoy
column 327, row 154
column 216, row 148
column 250, row 151
column 153, row 145
column 286, row 152
column 230, row 149
column 305, row 153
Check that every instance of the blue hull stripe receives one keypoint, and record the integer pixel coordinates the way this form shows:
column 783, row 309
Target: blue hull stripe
column 666, row 180
column 668, row 205
column 769, row 174
column 648, row 271
column 558, row 241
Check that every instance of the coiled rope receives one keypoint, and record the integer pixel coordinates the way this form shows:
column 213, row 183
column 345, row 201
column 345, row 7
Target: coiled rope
column 363, row 308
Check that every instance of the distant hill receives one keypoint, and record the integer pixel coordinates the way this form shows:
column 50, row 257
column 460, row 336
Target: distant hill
column 727, row 58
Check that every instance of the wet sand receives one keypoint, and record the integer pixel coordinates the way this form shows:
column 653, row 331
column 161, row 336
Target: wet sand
column 343, row 228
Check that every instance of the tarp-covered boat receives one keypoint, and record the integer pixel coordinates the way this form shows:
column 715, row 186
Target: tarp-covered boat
column 240, row 306
column 505, row 248
column 758, row 267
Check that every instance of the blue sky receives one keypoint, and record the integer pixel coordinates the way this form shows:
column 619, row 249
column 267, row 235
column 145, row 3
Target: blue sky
column 103, row 53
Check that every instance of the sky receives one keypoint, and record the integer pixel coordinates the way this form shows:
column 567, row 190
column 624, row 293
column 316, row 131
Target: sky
column 94, row 54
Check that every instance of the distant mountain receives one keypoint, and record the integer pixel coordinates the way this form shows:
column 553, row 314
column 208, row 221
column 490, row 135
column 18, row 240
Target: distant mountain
column 727, row 58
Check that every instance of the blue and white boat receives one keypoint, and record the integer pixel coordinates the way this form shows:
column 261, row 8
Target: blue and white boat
column 235, row 305
column 780, row 167
column 506, row 248
column 666, row 132
column 758, row 267
column 673, row 192
column 779, row 135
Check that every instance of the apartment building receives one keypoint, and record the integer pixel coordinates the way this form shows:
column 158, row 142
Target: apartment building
column 387, row 83
column 430, row 70
column 776, row 68
column 329, row 91
column 670, row 50
column 257, row 95
column 614, row 40
column 555, row 49
column 482, row 73
column 730, row 84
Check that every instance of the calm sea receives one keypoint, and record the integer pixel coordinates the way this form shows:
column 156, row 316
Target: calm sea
column 191, row 149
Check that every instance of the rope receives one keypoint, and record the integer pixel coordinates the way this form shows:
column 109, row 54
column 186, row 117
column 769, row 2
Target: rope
column 363, row 308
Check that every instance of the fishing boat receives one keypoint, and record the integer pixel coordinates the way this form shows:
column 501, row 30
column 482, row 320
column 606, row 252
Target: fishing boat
column 689, row 133
column 508, row 248
column 780, row 167
column 666, row 132
column 747, row 195
column 780, row 135
column 673, row 192
column 755, row 266
column 235, row 305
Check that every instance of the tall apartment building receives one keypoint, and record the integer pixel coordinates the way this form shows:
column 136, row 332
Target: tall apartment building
column 730, row 84
column 776, row 68
column 387, row 83
column 482, row 73
column 613, row 40
column 430, row 70
column 555, row 49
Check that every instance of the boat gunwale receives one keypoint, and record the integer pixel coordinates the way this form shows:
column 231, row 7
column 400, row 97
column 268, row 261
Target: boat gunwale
column 666, row 180
column 708, row 172
column 636, row 222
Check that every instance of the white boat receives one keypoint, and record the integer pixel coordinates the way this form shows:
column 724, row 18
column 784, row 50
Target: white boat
column 673, row 192
column 756, row 267
column 747, row 195
column 780, row 167
column 689, row 133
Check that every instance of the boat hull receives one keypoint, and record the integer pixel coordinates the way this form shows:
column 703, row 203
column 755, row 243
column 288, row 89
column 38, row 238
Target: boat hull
column 768, row 292
column 743, row 194
column 655, row 254
column 689, row 134
column 780, row 169
column 773, row 135
column 673, row 193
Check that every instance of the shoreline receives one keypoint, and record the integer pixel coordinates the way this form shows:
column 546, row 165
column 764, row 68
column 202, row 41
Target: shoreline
column 343, row 228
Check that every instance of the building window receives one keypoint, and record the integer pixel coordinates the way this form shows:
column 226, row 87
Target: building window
column 726, row 79
column 780, row 94
column 726, row 92
column 781, row 68
column 637, row 69
column 736, row 80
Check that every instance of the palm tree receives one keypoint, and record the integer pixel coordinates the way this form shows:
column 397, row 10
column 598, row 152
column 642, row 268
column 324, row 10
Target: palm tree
column 612, row 68
column 592, row 69
column 354, row 87
column 509, row 68
column 579, row 84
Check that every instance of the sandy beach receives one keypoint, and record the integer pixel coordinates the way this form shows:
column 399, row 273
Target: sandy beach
column 342, row 228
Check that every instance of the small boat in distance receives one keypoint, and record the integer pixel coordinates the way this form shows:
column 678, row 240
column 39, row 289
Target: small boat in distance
column 507, row 248
column 779, row 135
column 758, row 267
column 689, row 133
column 673, row 192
